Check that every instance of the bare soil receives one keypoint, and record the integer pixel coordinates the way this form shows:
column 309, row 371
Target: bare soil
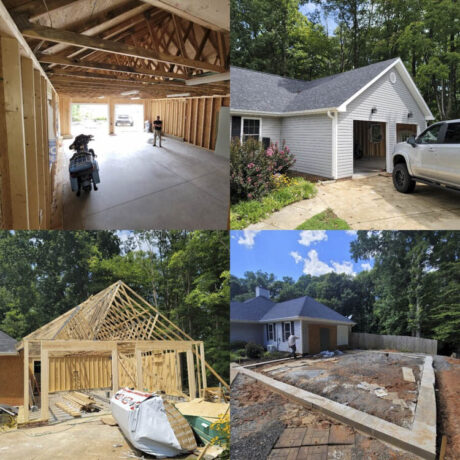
column 448, row 402
column 259, row 416
column 338, row 379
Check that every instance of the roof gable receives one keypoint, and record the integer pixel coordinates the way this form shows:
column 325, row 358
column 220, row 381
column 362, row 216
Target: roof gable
column 259, row 92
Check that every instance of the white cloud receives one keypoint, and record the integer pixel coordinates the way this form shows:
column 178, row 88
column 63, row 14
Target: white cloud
column 351, row 232
column 297, row 257
column 308, row 237
column 312, row 265
column 248, row 238
column 315, row 267
column 366, row 266
column 344, row 267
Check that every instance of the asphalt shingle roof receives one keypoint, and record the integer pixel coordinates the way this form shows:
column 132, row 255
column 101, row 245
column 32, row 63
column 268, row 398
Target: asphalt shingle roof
column 7, row 343
column 263, row 92
column 262, row 309
column 251, row 310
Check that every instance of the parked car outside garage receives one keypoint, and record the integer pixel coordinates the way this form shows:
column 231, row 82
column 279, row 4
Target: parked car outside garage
column 433, row 157
column 124, row 120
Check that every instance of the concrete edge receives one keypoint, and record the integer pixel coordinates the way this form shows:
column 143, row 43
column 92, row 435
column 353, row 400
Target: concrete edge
column 420, row 440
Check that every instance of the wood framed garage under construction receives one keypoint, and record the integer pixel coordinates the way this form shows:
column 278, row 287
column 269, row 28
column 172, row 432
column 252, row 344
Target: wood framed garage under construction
column 114, row 339
column 171, row 57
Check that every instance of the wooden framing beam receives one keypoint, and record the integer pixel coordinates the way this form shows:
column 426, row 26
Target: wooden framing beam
column 71, row 38
column 36, row 8
column 139, row 373
column 40, row 152
column 213, row 14
column 191, row 375
column 203, row 366
column 44, row 383
column 15, row 141
column 109, row 67
column 115, row 369
column 46, row 166
column 28, row 99
column 26, row 380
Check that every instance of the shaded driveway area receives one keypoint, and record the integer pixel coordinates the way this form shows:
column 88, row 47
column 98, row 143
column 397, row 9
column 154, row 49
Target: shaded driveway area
column 372, row 203
column 176, row 187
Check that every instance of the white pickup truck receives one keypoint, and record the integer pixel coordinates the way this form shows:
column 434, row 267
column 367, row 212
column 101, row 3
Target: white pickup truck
column 433, row 157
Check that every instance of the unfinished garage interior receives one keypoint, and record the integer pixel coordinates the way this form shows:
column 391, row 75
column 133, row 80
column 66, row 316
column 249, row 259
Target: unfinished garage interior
column 106, row 68
column 115, row 339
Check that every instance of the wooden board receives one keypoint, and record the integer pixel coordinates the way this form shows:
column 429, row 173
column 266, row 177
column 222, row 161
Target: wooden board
column 206, row 409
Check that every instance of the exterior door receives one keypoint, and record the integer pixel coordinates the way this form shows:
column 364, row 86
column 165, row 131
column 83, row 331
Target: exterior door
column 324, row 339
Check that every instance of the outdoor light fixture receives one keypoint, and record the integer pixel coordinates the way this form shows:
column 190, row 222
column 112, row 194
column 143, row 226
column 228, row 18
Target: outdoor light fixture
column 410, row 115
column 130, row 93
column 178, row 95
column 374, row 110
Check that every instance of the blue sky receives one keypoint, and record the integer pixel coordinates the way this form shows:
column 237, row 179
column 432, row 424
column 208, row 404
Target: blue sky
column 293, row 253
column 329, row 21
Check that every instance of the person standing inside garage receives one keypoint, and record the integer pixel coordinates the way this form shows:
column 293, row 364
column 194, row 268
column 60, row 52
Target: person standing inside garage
column 157, row 130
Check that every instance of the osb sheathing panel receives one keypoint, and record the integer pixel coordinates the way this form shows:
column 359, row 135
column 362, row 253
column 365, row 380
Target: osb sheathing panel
column 193, row 119
column 11, row 380
column 79, row 373
column 314, row 337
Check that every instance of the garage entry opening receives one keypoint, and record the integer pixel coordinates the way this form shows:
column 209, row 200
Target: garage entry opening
column 369, row 146
column 90, row 119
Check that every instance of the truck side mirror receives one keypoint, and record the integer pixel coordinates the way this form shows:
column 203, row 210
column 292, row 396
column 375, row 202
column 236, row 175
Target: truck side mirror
column 411, row 141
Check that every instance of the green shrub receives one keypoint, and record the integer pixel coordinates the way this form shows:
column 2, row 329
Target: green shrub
column 254, row 351
column 253, row 169
column 237, row 344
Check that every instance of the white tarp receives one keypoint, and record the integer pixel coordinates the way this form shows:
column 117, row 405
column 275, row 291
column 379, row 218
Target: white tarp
column 142, row 419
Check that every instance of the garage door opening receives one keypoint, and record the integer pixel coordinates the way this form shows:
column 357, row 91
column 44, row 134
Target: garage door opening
column 129, row 118
column 90, row 119
column 404, row 131
column 369, row 146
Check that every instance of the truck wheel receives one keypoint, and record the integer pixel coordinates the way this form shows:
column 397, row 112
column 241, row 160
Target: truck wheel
column 402, row 180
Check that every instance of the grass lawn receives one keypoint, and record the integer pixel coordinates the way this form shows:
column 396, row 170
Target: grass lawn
column 325, row 220
column 245, row 213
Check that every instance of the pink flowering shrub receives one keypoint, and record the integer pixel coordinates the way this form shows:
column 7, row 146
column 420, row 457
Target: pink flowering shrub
column 252, row 169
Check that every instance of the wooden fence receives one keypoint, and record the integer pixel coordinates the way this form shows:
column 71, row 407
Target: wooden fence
column 394, row 342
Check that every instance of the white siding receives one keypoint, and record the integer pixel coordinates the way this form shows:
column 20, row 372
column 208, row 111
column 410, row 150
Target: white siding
column 393, row 103
column 342, row 335
column 271, row 127
column 247, row 332
column 309, row 138
column 281, row 345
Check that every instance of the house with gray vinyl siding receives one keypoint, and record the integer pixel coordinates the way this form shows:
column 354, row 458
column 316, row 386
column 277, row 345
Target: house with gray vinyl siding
column 323, row 121
column 267, row 323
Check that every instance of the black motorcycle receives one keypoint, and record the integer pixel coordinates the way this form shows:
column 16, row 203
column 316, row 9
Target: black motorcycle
column 83, row 168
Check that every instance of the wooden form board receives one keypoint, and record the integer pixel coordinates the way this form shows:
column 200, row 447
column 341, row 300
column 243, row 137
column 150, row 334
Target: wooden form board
column 194, row 119
column 24, row 154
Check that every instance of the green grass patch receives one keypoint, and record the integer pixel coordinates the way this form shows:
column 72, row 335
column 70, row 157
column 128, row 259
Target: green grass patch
column 245, row 213
column 325, row 220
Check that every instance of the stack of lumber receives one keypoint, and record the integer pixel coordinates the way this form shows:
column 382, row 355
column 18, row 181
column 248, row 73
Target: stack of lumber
column 75, row 403
column 200, row 408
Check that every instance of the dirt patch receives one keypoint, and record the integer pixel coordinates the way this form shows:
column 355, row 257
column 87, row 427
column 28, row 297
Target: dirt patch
column 448, row 399
column 367, row 381
column 259, row 416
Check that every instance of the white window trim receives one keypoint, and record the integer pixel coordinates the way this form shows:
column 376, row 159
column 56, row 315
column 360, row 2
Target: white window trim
column 251, row 118
column 284, row 330
column 273, row 332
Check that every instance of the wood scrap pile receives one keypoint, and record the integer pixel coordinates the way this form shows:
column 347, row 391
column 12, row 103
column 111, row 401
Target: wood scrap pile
column 75, row 403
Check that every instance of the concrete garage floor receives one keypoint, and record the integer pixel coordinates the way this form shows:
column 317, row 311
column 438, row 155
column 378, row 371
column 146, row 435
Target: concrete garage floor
column 177, row 186
column 352, row 379
column 372, row 203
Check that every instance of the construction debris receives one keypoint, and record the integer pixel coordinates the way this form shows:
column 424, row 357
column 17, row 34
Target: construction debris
column 152, row 425
column 408, row 375
column 109, row 420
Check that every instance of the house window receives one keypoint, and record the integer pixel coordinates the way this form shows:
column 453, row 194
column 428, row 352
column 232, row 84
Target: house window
column 250, row 129
column 270, row 332
column 288, row 329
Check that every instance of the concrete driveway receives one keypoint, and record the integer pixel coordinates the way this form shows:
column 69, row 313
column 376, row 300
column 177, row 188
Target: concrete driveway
column 372, row 203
